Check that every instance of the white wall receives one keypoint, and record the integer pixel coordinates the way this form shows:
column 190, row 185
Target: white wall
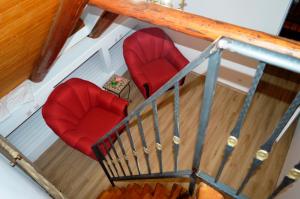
column 15, row 184
column 262, row 15
column 292, row 192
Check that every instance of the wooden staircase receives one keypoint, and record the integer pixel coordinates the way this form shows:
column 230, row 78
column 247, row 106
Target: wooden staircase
column 136, row 191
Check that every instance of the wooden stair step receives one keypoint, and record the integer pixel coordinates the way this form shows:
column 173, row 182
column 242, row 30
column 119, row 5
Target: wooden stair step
column 176, row 191
column 147, row 196
column 136, row 191
column 105, row 195
column 161, row 192
column 131, row 192
column 207, row 192
column 147, row 189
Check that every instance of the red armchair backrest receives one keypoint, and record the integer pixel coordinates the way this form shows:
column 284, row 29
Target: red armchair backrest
column 147, row 45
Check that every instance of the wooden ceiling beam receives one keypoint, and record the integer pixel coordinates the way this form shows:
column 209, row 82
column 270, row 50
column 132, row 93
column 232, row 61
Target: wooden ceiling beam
column 197, row 26
column 105, row 20
column 62, row 27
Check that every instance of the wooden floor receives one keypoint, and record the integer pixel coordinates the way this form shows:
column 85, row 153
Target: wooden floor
column 80, row 177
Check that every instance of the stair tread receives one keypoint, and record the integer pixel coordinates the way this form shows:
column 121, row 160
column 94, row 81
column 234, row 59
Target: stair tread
column 147, row 196
column 136, row 191
column 207, row 192
column 105, row 195
column 160, row 191
column 176, row 191
column 147, row 189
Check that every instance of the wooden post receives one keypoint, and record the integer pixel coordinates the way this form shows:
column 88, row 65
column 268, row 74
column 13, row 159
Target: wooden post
column 17, row 158
column 62, row 27
column 106, row 19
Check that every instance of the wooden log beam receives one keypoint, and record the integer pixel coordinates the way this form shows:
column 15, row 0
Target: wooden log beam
column 105, row 20
column 17, row 158
column 197, row 26
column 62, row 27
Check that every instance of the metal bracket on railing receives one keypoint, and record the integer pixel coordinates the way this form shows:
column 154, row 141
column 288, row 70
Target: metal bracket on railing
column 158, row 146
column 134, row 153
column 232, row 141
column 176, row 140
column 146, row 150
column 262, row 155
column 294, row 174
column 14, row 160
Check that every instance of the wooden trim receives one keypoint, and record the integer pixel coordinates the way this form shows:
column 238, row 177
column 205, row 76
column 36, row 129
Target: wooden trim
column 197, row 26
column 63, row 26
column 17, row 158
column 106, row 19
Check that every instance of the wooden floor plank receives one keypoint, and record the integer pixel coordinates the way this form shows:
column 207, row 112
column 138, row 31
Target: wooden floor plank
column 80, row 177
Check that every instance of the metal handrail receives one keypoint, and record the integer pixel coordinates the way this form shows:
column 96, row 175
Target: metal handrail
column 181, row 74
column 213, row 53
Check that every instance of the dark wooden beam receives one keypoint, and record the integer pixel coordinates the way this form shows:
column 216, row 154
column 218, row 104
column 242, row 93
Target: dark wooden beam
column 79, row 26
column 62, row 27
column 106, row 19
column 196, row 25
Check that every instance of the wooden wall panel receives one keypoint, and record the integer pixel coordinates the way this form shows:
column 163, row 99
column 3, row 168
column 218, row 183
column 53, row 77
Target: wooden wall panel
column 24, row 26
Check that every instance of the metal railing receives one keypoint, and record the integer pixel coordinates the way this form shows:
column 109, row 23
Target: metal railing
column 213, row 53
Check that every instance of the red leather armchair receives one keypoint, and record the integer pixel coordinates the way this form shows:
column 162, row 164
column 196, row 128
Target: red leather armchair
column 152, row 59
column 80, row 113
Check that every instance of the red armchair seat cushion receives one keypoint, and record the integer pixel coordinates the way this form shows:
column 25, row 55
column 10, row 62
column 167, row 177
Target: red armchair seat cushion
column 161, row 69
column 80, row 113
column 95, row 124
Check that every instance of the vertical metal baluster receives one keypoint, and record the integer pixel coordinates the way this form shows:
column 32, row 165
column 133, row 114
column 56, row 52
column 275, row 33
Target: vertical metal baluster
column 116, row 155
column 146, row 150
column 235, row 133
column 290, row 178
column 101, row 158
column 105, row 159
column 157, row 136
column 109, row 168
column 263, row 153
column 123, row 152
column 133, row 148
column 209, row 90
column 111, row 159
column 176, row 137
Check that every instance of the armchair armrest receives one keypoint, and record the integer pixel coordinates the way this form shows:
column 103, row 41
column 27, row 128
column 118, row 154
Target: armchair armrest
column 134, row 64
column 119, row 106
column 175, row 57
column 141, row 82
column 110, row 102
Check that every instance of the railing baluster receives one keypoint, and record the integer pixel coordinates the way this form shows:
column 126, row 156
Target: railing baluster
column 133, row 148
column 146, row 150
column 263, row 153
column 176, row 137
column 209, row 90
column 235, row 133
column 110, row 170
column 105, row 159
column 290, row 178
column 111, row 159
column 157, row 136
column 116, row 155
column 101, row 158
column 123, row 152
